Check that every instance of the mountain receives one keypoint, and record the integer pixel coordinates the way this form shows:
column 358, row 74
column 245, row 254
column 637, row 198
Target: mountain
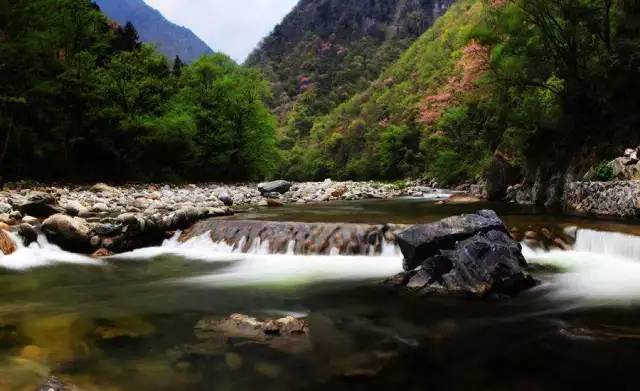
column 526, row 93
column 152, row 27
column 326, row 50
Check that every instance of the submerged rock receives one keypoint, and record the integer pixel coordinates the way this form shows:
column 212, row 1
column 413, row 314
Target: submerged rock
column 462, row 255
column 219, row 336
column 280, row 186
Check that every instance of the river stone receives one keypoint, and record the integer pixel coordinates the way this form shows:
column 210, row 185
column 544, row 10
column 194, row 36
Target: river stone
column 487, row 263
column 27, row 233
column 70, row 233
column 39, row 204
column 6, row 243
column 280, row 186
column 420, row 242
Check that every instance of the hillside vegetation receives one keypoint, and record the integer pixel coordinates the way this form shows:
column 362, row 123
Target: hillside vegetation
column 324, row 51
column 82, row 99
column 549, row 84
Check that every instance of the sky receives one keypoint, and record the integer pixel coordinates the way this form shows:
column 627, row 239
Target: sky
column 233, row 27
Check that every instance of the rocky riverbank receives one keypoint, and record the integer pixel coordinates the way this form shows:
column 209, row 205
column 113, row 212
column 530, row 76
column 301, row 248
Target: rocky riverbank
column 110, row 219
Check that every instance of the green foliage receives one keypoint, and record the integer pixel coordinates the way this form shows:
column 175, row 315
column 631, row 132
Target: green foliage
column 86, row 100
column 603, row 172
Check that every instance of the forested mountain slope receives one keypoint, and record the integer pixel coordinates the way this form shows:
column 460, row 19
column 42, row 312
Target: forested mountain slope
column 547, row 84
column 169, row 38
column 326, row 50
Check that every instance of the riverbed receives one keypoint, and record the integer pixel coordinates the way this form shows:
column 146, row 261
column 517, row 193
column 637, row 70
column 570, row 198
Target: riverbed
column 127, row 323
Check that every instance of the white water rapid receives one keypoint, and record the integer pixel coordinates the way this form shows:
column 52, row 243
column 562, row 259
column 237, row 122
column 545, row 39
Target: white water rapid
column 257, row 266
column 603, row 268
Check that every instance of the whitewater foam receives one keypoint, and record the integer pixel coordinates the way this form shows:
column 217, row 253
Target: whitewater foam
column 603, row 268
column 38, row 254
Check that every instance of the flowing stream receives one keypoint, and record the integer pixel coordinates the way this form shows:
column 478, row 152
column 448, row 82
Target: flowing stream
column 127, row 322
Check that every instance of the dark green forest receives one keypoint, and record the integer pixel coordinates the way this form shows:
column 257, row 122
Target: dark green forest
column 549, row 85
column 82, row 99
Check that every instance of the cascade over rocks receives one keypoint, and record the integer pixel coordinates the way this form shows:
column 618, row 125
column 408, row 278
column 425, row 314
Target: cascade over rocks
column 462, row 255
column 299, row 238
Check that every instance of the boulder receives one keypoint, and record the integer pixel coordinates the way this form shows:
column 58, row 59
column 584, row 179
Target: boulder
column 499, row 176
column 420, row 242
column 225, row 197
column 39, row 204
column 7, row 246
column 70, row 233
column 463, row 255
column 280, row 186
column 27, row 233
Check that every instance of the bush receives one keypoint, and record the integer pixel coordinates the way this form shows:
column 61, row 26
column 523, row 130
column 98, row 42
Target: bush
column 603, row 172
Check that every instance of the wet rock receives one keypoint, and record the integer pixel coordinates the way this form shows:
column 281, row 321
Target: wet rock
column 5, row 208
column 74, row 208
column 70, row 233
column 280, row 186
column 420, row 242
column 7, row 246
column 486, row 261
column 39, row 204
column 30, row 220
column 286, row 334
column 603, row 332
column 28, row 233
column 101, row 252
column 55, row 384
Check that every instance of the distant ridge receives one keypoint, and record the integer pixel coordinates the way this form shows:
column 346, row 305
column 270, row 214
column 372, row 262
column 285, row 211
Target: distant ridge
column 154, row 28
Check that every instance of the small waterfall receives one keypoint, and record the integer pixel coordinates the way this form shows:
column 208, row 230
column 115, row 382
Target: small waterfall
column 267, row 237
column 603, row 268
column 39, row 253
column 610, row 243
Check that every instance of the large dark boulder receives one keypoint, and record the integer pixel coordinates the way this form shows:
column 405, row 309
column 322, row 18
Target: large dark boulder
column 280, row 186
column 420, row 242
column 39, row 204
column 469, row 255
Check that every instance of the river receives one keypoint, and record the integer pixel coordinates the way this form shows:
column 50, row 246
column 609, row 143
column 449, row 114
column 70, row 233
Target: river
column 127, row 323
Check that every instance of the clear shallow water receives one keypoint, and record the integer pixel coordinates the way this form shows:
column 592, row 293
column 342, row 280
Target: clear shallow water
column 579, row 329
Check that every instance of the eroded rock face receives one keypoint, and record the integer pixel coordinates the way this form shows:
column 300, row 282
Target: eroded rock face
column 420, row 242
column 462, row 255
